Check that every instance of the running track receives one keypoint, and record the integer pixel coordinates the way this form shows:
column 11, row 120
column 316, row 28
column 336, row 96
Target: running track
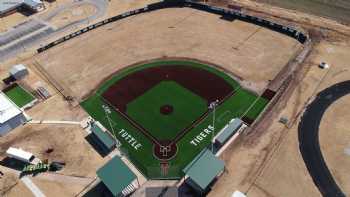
column 309, row 139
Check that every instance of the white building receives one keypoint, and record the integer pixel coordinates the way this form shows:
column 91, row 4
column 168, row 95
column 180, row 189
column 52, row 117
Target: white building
column 18, row 71
column 10, row 6
column 10, row 115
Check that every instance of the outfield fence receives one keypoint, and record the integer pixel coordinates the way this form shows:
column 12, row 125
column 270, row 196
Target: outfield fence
column 300, row 36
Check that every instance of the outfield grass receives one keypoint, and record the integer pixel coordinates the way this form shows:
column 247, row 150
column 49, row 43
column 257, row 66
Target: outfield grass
column 19, row 96
column 187, row 107
column 235, row 106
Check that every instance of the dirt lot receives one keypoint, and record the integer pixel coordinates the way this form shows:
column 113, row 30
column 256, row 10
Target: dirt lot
column 68, row 142
column 11, row 186
column 63, row 188
column 282, row 171
column 243, row 48
column 73, row 14
column 10, row 21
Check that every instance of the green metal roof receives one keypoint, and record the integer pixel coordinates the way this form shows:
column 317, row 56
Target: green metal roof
column 204, row 168
column 104, row 137
column 116, row 175
column 229, row 130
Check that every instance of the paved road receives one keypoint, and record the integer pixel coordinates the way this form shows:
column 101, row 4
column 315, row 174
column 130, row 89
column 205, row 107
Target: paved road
column 309, row 139
column 35, row 30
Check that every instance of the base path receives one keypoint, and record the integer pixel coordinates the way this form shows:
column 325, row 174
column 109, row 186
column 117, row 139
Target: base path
column 309, row 138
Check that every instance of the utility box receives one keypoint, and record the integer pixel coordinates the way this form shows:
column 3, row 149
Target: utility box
column 18, row 71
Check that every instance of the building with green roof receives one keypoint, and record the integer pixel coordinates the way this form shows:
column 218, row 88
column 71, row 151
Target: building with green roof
column 117, row 177
column 102, row 138
column 203, row 170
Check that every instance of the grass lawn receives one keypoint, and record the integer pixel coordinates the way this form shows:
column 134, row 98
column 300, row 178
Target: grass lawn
column 187, row 107
column 19, row 96
column 234, row 107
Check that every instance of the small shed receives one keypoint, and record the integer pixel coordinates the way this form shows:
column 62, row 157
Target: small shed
column 117, row 177
column 18, row 71
column 102, row 138
column 35, row 5
column 203, row 170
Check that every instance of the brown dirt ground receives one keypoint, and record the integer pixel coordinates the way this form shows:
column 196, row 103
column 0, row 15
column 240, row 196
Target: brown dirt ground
column 58, row 189
column 274, row 167
column 120, row 6
column 18, row 190
column 11, row 20
column 243, row 48
column 68, row 142
column 76, row 13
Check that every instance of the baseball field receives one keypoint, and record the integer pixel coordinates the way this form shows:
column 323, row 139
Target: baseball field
column 159, row 111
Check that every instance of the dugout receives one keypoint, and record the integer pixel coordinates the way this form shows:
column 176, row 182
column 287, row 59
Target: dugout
column 117, row 177
column 102, row 139
column 228, row 131
column 203, row 171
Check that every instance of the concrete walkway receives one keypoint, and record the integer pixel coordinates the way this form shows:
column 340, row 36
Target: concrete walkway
column 32, row 187
column 54, row 122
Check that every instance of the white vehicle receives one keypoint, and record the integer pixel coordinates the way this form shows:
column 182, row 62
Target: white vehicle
column 324, row 65
column 238, row 194
column 20, row 154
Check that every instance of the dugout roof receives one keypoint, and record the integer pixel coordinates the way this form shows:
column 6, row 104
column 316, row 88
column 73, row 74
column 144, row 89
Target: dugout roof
column 102, row 136
column 116, row 175
column 229, row 130
column 204, row 168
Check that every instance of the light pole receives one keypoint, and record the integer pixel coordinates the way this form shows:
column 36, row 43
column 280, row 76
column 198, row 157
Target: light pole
column 108, row 111
column 212, row 106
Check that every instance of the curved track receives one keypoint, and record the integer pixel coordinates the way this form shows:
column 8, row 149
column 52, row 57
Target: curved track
column 309, row 138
